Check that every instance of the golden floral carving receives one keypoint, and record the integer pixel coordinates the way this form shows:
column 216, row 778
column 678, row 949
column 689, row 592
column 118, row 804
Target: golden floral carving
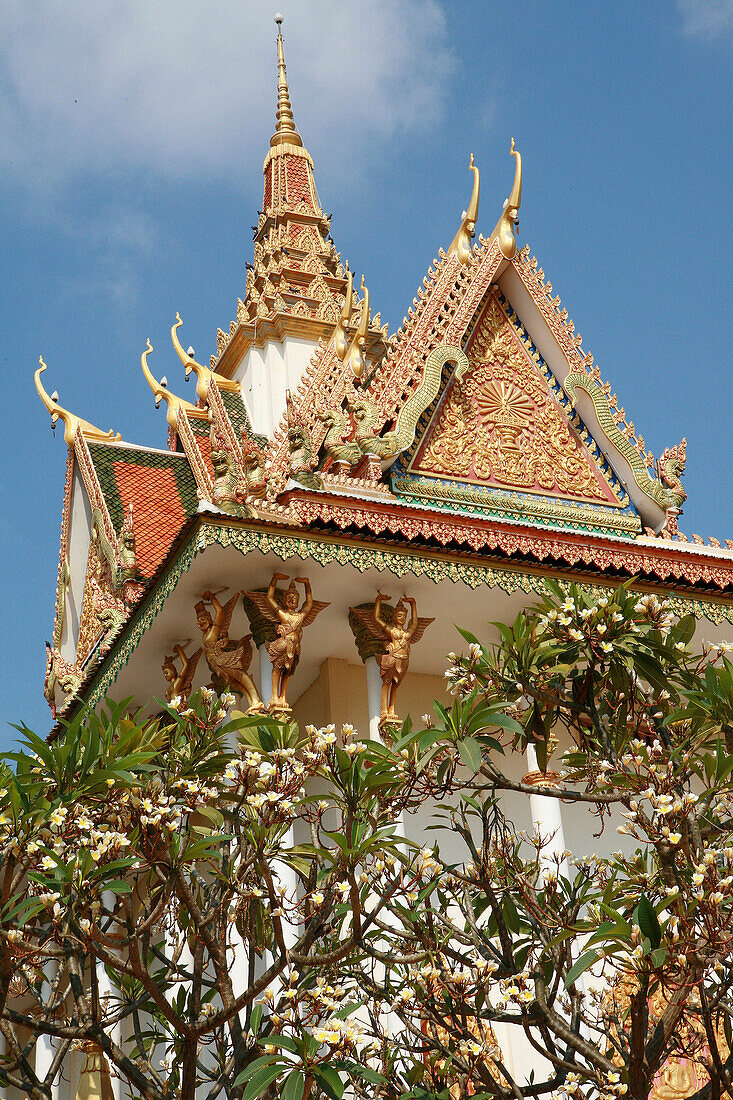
column 500, row 424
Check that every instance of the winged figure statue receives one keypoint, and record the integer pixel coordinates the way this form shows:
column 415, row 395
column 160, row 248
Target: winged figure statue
column 180, row 680
column 227, row 659
column 397, row 635
column 290, row 618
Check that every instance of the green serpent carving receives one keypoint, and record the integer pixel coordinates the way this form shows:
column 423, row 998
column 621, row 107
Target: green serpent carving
column 652, row 487
column 393, row 443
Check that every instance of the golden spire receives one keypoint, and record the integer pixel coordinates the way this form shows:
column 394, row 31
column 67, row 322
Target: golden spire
column 72, row 423
column 285, row 132
column 176, row 405
column 340, row 338
column 354, row 357
column 509, row 219
column 461, row 243
column 203, row 375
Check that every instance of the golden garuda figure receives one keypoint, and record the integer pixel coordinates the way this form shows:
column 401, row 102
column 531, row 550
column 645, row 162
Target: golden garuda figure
column 180, row 680
column 397, row 636
column 290, row 620
column 227, row 659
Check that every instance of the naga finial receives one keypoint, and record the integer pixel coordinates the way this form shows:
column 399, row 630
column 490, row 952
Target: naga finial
column 72, row 423
column 509, row 219
column 461, row 243
column 203, row 374
column 355, row 357
column 176, row 405
column 340, row 336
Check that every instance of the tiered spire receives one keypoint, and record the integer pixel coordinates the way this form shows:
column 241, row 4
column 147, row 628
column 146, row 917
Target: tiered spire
column 285, row 129
column 297, row 283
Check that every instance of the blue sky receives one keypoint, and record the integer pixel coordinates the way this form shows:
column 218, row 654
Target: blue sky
column 132, row 136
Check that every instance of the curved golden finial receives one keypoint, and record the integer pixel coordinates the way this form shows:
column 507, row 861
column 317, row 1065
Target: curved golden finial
column 72, row 423
column 176, row 405
column 355, row 357
column 461, row 243
column 203, row 374
column 509, row 219
column 340, row 337
column 285, row 132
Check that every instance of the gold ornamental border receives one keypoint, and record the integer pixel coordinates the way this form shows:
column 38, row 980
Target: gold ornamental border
column 324, row 549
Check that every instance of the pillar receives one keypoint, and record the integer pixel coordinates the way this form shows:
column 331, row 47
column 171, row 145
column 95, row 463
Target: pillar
column 109, row 994
column 546, row 815
column 45, row 1045
column 265, row 684
column 374, row 696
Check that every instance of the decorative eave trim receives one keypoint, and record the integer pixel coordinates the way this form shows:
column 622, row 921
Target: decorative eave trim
column 95, row 494
column 656, row 559
column 62, row 577
column 584, row 376
column 438, row 566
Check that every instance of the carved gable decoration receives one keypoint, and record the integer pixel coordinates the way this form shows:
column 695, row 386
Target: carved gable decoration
column 503, row 439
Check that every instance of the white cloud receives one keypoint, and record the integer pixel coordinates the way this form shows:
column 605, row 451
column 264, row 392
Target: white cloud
column 707, row 19
column 186, row 88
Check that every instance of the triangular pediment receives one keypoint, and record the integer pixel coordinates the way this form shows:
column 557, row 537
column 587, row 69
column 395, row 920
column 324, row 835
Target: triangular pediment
column 502, row 438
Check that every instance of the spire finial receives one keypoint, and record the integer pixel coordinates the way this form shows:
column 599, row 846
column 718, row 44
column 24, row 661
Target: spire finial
column 461, row 243
column 72, row 423
column 509, row 219
column 285, row 131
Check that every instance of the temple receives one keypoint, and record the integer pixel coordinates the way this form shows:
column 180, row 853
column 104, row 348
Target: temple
column 337, row 498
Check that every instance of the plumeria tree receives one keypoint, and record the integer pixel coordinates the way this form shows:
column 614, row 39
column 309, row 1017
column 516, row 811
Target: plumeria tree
column 229, row 906
column 617, row 969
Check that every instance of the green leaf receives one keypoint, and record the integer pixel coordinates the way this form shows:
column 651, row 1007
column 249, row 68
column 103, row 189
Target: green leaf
column 329, row 1080
column 262, row 1079
column 648, row 921
column 255, row 1019
column 294, row 1086
column 511, row 916
column 580, row 966
column 469, row 751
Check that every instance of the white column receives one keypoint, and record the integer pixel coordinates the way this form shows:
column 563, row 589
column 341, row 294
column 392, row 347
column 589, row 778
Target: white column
column 374, row 696
column 547, row 821
column 374, row 700
column 45, row 1045
column 109, row 994
column 265, row 674
column 44, row 1057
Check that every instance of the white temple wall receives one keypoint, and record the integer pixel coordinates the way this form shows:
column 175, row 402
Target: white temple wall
column 267, row 373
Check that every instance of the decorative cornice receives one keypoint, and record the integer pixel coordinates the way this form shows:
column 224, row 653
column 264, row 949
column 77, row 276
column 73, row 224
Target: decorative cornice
column 656, row 560
column 400, row 562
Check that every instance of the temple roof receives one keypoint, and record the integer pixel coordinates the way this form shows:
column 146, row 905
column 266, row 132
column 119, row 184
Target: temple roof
column 479, row 429
column 161, row 489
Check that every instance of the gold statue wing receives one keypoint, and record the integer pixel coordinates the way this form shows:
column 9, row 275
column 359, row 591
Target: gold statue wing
column 422, row 626
column 228, row 611
column 316, row 609
column 259, row 599
column 193, row 661
column 365, row 615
